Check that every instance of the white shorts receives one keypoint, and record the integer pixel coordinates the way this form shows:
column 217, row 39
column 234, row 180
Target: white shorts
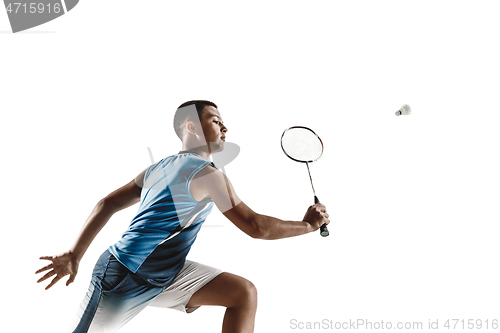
column 106, row 310
column 192, row 277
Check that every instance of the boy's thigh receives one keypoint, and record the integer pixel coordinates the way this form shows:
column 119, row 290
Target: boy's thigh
column 227, row 290
column 114, row 297
column 192, row 278
column 122, row 303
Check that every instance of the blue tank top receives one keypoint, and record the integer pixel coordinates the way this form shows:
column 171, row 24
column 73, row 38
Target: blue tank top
column 160, row 236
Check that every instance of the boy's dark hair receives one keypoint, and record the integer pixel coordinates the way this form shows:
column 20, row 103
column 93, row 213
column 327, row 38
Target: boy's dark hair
column 185, row 113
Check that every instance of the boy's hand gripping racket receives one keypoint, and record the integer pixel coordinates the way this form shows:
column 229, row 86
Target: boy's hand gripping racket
column 301, row 144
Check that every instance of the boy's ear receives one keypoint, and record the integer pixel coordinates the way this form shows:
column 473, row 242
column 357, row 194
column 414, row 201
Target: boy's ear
column 191, row 128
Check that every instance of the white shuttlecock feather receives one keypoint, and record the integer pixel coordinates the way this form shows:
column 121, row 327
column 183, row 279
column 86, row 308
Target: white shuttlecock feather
column 404, row 110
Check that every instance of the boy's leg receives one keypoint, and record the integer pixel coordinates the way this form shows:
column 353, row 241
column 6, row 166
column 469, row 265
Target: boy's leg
column 196, row 285
column 237, row 294
column 119, row 306
column 115, row 296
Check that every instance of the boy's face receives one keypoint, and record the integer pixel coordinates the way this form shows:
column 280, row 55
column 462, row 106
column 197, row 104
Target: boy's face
column 213, row 129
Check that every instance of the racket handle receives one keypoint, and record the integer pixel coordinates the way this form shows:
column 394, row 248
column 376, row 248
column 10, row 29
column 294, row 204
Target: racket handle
column 323, row 230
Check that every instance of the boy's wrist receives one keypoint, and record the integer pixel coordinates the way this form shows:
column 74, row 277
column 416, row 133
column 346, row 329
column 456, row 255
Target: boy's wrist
column 309, row 227
column 74, row 255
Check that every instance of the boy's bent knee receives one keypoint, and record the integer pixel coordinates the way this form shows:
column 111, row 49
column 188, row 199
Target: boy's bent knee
column 246, row 294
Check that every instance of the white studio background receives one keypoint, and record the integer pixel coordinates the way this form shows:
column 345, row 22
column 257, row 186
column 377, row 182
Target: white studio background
column 413, row 199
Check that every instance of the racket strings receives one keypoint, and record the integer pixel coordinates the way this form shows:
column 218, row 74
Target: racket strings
column 302, row 145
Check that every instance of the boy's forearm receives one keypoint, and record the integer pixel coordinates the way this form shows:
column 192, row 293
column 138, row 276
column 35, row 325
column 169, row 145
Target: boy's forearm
column 95, row 222
column 274, row 228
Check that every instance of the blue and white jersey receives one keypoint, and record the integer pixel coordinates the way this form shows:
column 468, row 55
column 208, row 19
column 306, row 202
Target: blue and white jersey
column 160, row 236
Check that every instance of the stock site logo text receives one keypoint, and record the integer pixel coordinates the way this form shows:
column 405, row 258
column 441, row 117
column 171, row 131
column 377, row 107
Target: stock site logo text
column 24, row 15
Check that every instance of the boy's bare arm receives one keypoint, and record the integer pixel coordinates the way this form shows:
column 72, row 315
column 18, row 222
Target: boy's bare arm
column 216, row 185
column 122, row 198
column 67, row 263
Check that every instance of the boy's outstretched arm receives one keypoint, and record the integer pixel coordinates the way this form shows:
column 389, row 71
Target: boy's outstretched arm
column 67, row 263
column 216, row 185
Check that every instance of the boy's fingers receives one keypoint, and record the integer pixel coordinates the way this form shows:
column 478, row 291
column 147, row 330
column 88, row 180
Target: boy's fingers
column 70, row 280
column 46, row 276
column 44, row 269
column 321, row 207
column 53, row 282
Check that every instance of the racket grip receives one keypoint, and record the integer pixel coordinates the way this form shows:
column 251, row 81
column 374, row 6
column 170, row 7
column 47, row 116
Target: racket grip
column 323, row 230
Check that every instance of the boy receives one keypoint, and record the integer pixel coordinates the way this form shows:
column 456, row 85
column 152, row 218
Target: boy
column 148, row 265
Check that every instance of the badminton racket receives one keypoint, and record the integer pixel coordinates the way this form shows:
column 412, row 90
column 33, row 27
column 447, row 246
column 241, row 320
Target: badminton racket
column 301, row 144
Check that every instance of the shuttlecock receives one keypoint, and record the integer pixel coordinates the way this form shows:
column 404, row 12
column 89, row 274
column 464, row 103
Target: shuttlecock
column 404, row 110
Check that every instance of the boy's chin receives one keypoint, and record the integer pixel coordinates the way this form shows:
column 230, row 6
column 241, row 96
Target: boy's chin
column 216, row 147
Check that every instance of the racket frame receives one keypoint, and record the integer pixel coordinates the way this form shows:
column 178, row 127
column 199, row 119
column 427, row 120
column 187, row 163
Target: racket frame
column 323, row 230
column 306, row 128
